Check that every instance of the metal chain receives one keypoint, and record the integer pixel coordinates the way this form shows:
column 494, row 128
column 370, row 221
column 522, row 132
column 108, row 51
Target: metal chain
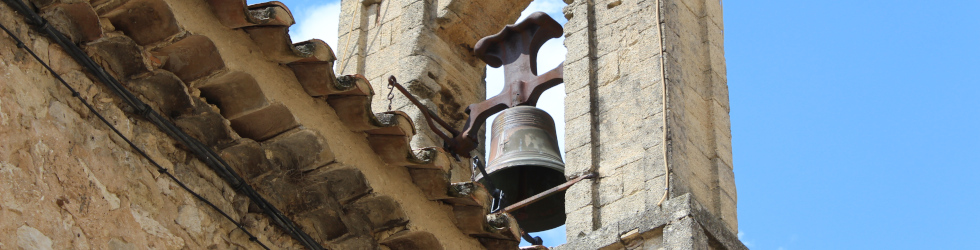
column 391, row 94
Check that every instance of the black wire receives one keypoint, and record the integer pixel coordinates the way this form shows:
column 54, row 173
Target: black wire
column 160, row 169
column 205, row 154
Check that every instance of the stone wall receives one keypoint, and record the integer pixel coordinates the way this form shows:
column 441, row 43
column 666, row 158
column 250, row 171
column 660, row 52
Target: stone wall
column 229, row 76
column 622, row 54
column 427, row 45
column 69, row 183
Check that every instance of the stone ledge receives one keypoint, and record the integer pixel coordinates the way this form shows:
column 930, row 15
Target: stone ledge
column 655, row 218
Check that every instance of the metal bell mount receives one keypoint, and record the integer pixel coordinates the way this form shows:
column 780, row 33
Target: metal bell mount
column 525, row 165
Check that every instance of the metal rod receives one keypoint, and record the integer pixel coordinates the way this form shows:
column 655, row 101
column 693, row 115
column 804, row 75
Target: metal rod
column 430, row 116
column 531, row 239
column 547, row 193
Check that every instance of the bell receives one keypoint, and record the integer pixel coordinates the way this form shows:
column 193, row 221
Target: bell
column 524, row 161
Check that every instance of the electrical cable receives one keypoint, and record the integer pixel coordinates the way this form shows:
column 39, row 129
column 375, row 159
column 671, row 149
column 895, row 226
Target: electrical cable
column 139, row 151
column 206, row 155
column 663, row 95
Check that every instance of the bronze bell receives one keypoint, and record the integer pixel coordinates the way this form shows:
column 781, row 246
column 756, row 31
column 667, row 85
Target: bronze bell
column 524, row 161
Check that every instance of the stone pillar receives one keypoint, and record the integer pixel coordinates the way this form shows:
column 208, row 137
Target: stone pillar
column 427, row 45
column 646, row 87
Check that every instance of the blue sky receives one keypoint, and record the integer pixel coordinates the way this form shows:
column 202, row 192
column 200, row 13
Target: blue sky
column 855, row 123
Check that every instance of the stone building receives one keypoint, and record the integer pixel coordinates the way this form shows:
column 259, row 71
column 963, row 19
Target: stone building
column 282, row 147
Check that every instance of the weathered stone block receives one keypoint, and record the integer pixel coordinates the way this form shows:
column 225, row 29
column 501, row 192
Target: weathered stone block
column 608, row 68
column 642, row 59
column 655, row 189
column 609, row 38
column 265, row 123
column 578, row 195
column 696, row 7
column 578, row 160
column 318, row 79
column 248, row 159
column 654, row 239
column 434, row 183
column 418, row 13
column 356, row 241
column 634, row 176
column 275, row 43
column 574, row 128
column 470, row 219
column 722, row 129
column 612, row 11
column 190, row 58
column 299, row 150
column 696, row 162
column 713, row 11
column 275, row 187
column 578, row 223
column 355, row 110
column 578, row 43
column 235, row 93
column 345, row 183
column 77, row 21
column 577, row 18
column 163, row 91
column 309, row 196
column 610, row 189
column 207, row 127
column 382, row 212
column 616, row 153
column 726, row 178
column 719, row 90
column 688, row 67
column 683, row 180
column 685, row 234
column 653, row 162
column 691, row 120
column 410, row 240
column 716, row 47
column 146, row 21
column 626, row 207
column 119, row 55
column 323, row 224
column 631, row 98
column 393, row 149
column 729, row 211
column 576, row 74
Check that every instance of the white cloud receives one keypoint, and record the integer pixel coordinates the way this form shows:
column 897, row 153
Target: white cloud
column 318, row 22
column 746, row 241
